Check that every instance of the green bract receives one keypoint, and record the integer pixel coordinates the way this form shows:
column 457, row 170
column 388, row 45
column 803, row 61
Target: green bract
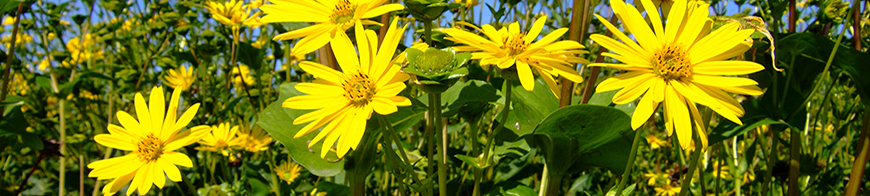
column 426, row 9
column 436, row 69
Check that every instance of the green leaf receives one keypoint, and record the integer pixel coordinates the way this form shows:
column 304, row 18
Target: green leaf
column 625, row 192
column 332, row 189
column 606, row 99
column 727, row 129
column 278, row 121
column 529, row 108
column 578, row 137
column 461, row 93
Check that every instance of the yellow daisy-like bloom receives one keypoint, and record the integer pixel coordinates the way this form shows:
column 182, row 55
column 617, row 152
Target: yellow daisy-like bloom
column 668, row 190
column 655, row 177
column 288, row 171
column 509, row 46
column 152, row 139
column 333, row 18
column 230, row 13
column 252, row 140
column 222, row 137
column 344, row 101
column 20, row 40
column 181, row 78
column 242, row 74
column 655, row 142
column 678, row 65
column 80, row 52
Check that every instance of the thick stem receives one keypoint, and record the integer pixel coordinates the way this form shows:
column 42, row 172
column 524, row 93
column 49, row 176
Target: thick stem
column 771, row 160
column 507, row 85
column 475, row 151
column 792, row 16
column 427, row 27
column 430, row 139
column 861, row 158
column 693, row 165
column 577, row 31
column 626, row 175
column 551, row 183
column 385, row 123
column 794, row 162
column 593, row 76
column 435, row 104
column 10, row 56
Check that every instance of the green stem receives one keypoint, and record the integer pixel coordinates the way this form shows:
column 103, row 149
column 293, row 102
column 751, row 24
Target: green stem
column 276, row 185
column 435, row 105
column 630, row 164
column 385, row 123
column 507, row 87
column 771, row 160
column 824, row 73
column 475, row 151
column 427, row 26
column 693, row 165
column 794, row 166
column 430, row 143
column 551, row 183
column 189, row 184
column 861, row 157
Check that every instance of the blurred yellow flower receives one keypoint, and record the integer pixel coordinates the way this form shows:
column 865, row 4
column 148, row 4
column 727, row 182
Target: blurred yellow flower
column 259, row 43
column 656, row 177
column 332, row 19
column 724, row 175
column 221, row 138
column 80, row 51
column 255, row 4
column 667, row 190
column 8, row 20
column 242, row 73
column 288, row 171
column 252, row 139
column 180, row 78
column 230, row 13
column 677, row 65
column 655, row 142
column 509, row 48
column 153, row 139
column 315, row 193
column 344, row 101
column 22, row 38
column 468, row 3
column 19, row 84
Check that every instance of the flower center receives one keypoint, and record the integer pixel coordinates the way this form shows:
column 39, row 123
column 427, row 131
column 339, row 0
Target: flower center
column 358, row 89
column 343, row 12
column 672, row 62
column 149, row 148
column 435, row 61
column 516, row 44
column 220, row 144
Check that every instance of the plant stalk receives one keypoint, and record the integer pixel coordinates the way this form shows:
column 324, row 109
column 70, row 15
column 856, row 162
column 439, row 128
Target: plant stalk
column 861, row 158
column 593, row 76
column 693, row 165
column 435, row 105
column 856, row 24
column 794, row 162
column 10, row 56
column 577, row 31
column 626, row 175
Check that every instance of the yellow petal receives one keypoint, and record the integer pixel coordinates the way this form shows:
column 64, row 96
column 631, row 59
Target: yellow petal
column 171, row 170
column 645, row 108
column 727, row 67
column 722, row 81
column 177, row 158
column 159, row 178
column 632, row 92
column 381, row 10
column 536, row 29
column 525, row 74
column 321, row 71
column 118, row 142
column 156, row 109
column 142, row 114
column 383, row 106
column 622, row 80
column 345, row 53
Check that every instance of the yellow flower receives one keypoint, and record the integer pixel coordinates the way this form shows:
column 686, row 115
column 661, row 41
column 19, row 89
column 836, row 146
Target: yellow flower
column 332, row 18
column 19, row 84
column 344, row 101
column 508, row 46
column 152, row 139
column 677, row 66
column 8, row 20
column 668, row 190
column 242, row 73
column 230, row 13
column 181, row 78
column 80, row 52
column 22, row 38
column 222, row 137
column 252, row 140
column 655, row 177
column 255, row 4
column 288, row 171
column 259, row 44
column 655, row 142
column 44, row 63
column 724, row 175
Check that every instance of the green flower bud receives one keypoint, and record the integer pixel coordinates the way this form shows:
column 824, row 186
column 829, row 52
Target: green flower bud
column 435, row 69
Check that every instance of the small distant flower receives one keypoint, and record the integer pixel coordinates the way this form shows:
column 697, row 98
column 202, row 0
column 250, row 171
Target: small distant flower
column 509, row 48
column 344, row 101
column 80, row 50
column 655, row 142
column 242, row 74
column 288, row 171
column 8, row 20
column 230, row 13
column 315, row 193
column 331, row 18
column 656, row 177
column 19, row 84
column 222, row 137
column 252, row 139
column 724, row 175
column 255, row 4
column 259, row 43
column 152, row 140
column 667, row 190
column 180, row 78
column 22, row 38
